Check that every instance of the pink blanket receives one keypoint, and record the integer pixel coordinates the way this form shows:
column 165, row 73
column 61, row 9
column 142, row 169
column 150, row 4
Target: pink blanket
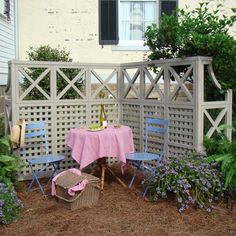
column 72, row 190
column 87, row 147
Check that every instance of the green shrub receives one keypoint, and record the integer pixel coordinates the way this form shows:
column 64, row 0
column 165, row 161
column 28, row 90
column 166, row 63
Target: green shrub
column 201, row 32
column 220, row 149
column 227, row 161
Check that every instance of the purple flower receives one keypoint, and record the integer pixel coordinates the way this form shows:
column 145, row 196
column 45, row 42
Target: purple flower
column 180, row 200
column 208, row 209
column 2, row 203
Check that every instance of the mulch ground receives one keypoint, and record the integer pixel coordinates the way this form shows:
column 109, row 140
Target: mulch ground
column 119, row 212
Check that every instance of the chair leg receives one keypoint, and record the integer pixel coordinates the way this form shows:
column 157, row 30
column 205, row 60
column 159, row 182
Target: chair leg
column 135, row 173
column 55, row 166
column 133, row 178
column 35, row 178
column 145, row 192
column 31, row 184
column 32, row 181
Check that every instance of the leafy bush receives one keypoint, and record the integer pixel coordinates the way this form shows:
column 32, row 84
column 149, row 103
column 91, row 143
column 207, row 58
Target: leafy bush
column 47, row 53
column 219, row 143
column 9, row 164
column 10, row 205
column 228, row 165
column 201, row 32
column 190, row 178
column 220, row 149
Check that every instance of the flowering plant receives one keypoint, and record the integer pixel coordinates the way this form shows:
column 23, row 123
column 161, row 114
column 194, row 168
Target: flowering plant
column 190, row 178
column 10, row 205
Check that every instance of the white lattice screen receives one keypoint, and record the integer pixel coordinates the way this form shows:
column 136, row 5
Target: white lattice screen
column 66, row 95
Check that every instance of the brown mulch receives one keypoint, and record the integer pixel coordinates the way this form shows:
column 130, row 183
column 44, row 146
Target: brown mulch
column 119, row 212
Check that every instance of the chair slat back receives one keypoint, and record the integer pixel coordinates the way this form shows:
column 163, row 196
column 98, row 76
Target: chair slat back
column 156, row 129
column 35, row 125
column 37, row 130
column 35, row 134
column 154, row 125
column 156, row 121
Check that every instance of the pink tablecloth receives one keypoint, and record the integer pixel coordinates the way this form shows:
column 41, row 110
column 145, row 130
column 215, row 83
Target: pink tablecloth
column 87, row 146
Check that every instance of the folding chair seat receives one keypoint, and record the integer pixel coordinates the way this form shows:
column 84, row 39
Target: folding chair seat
column 140, row 159
column 36, row 136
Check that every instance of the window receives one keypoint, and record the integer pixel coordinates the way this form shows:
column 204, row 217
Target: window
column 135, row 16
column 127, row 26
column 5, row 8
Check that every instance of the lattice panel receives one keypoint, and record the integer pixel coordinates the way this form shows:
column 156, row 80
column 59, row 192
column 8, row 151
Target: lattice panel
column 178, row 151
column 31, row 114
column 153, row 111
column 67, row 117
column 180, row 130
column 131, row 117
column 131, row 92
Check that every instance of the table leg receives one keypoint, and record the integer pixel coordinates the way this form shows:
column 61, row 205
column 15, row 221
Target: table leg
column 116, row 177
column 102, row 163
column 103, row 167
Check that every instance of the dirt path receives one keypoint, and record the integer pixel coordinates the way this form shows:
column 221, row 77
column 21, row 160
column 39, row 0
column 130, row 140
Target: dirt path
column 119, row 212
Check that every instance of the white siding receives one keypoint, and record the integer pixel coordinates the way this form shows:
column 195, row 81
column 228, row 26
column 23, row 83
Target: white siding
column 7, row 43
column 73, row 24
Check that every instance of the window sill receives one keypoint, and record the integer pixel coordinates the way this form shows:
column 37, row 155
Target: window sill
column 129, row 48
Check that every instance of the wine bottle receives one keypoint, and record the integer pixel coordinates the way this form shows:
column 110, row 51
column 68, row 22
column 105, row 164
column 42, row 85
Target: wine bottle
column 103, row 117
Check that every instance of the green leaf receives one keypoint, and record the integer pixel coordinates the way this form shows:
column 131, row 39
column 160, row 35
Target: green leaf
column 4, row 141
column 5, row 158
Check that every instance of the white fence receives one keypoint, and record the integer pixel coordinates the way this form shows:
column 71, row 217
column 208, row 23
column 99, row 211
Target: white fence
column 66, row 95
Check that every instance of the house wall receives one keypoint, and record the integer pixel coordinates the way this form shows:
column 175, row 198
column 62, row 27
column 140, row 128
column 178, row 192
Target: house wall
column 7, row 42
column 74, row 25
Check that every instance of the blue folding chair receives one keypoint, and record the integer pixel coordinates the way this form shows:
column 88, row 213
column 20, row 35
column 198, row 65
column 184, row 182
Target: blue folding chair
column 140, row 159
column 35, row 135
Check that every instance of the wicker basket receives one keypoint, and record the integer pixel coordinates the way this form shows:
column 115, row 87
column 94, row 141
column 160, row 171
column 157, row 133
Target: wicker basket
column 88, row 197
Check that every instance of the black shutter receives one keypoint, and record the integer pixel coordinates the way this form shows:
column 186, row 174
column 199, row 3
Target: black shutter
column 108, row 22
column 7, row 8
column 167, row 7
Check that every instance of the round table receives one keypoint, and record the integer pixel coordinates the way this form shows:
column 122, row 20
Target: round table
column 89, row 146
